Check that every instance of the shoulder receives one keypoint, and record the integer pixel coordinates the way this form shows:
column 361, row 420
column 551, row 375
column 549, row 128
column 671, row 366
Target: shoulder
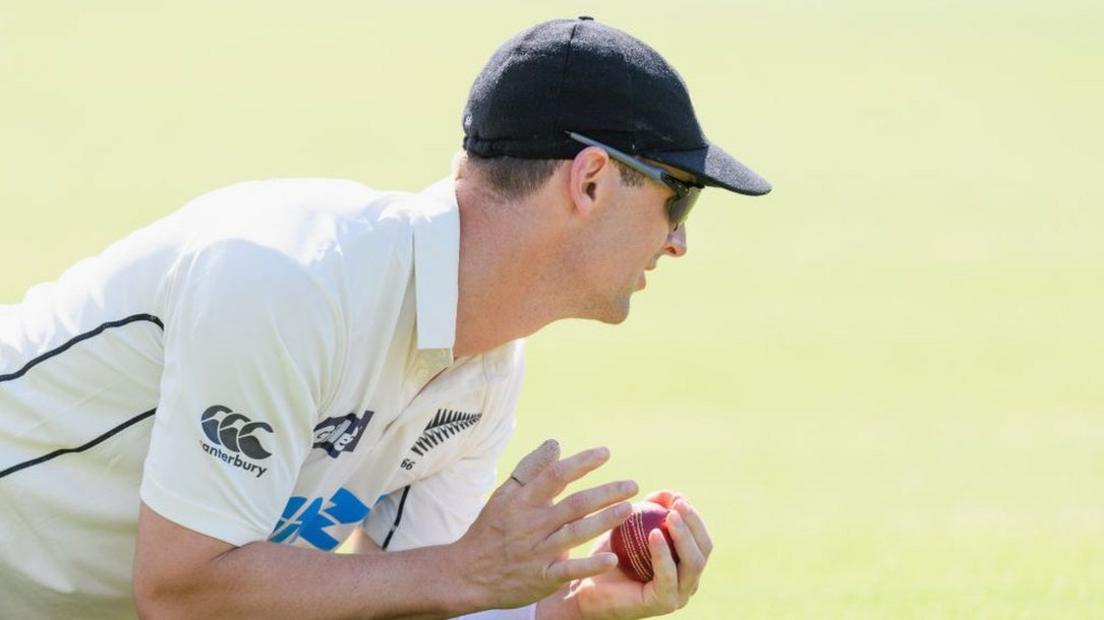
column 269, row 231
column 290, row 212
column 284, row 190
column 504, row 373
column 505, row 364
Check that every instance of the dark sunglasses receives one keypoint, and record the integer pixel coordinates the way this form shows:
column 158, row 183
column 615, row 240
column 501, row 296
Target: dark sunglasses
column 686, row 193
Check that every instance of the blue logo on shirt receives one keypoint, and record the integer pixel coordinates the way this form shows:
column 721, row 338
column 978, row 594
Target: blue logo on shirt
column 309, row 519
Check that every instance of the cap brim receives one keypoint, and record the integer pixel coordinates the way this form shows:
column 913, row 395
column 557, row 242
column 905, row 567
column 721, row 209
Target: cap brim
column 716, row 168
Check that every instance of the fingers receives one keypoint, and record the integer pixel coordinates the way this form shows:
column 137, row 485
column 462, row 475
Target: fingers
column 602, row 544
column 697, row 526
column 578, row 568
column 528, row 468
column 584, row 502
column 554, row 478
column 691, row 558
column 664, row 498
column 578, row 532
column 533, row 463
column 665, row 582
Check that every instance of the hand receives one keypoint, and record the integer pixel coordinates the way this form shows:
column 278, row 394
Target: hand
column 612, row 595
column 516, row 551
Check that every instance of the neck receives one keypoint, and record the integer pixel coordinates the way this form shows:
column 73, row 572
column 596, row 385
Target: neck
column 506, row 274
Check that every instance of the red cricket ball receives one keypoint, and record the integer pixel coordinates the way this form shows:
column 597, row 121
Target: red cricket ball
column 630, row 540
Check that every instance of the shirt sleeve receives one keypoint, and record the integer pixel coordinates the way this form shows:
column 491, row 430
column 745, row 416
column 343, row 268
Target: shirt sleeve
column 438, row 509
column 250, row 336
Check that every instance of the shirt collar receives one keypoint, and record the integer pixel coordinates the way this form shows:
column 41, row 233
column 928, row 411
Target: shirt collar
column 436, row 226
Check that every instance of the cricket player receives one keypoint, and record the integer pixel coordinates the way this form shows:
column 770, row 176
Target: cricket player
column 193, row 419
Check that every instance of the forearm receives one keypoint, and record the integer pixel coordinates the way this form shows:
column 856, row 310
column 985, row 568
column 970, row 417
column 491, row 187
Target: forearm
column 279, row 581
column 556, row 606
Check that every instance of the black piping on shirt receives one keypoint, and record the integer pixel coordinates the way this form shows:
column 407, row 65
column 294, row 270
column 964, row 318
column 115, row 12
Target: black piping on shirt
column 398, row 518
column 59, row 350
column 85, row 336
column 91, row 444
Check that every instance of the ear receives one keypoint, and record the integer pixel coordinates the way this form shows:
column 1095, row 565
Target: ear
column 589, row 179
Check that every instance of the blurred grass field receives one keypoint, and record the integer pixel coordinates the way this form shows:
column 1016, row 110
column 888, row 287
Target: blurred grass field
column 880, row 384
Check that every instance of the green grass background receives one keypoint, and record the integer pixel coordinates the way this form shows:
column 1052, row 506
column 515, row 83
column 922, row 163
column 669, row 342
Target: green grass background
column 880, row 384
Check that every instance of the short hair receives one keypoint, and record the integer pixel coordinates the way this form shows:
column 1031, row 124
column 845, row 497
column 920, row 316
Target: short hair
column 514, row 178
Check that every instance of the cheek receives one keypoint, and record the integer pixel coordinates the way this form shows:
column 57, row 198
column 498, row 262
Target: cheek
column 649, row 216
column 657, row 230
column 638, row 229
column 657, row 223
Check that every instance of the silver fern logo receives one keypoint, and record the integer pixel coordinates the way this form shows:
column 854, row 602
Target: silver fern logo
column 446, row 424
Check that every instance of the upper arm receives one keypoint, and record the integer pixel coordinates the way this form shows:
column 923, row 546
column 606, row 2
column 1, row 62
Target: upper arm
column 249, row 341
column 169, row 559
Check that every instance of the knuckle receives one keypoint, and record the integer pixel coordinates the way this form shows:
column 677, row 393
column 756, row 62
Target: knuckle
column 557, row 472
column 571, row 530
column 556, row 573
column 577, row 503
column 591, row 527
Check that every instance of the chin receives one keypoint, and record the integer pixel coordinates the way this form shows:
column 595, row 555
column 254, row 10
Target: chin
column 615, row 320
column 609, row 309
column 616, row 312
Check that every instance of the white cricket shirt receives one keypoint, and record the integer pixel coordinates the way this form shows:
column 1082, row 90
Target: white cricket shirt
column 272, row 361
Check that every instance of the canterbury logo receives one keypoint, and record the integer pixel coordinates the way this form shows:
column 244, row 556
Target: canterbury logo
column 234, row 431
column 443, row 425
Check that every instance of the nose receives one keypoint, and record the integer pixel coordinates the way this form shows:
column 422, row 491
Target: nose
column 676, row 242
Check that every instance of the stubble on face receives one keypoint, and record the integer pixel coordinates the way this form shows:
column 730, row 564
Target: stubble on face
column 633, row 240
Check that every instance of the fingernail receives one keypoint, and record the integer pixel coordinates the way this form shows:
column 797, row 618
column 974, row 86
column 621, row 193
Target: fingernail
column 628, row 487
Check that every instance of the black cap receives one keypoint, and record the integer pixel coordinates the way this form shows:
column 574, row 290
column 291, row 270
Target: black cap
column 583, row 76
